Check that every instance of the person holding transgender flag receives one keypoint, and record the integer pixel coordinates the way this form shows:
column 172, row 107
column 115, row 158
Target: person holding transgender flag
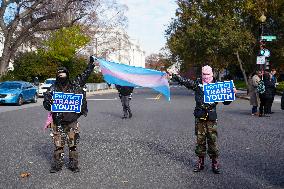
column 205, row 119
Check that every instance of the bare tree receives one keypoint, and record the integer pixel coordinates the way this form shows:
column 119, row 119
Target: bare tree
column 30, row 17
column 158, row 62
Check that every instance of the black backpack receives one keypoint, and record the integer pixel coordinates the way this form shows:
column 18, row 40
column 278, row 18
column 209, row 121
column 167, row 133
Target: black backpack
column 260, row 87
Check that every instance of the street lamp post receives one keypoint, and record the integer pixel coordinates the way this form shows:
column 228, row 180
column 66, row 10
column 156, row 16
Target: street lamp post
column 262, row 20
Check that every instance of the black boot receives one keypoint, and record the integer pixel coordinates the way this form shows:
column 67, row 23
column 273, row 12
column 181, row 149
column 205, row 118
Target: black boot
column 73, row 160
column 73, row 165
column 56, row 166
column 58, row 161
column 129, row 114
column 199, row 165
column 215, row 166
column 124, row 115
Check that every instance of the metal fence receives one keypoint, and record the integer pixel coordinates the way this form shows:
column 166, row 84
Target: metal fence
column 91, row 87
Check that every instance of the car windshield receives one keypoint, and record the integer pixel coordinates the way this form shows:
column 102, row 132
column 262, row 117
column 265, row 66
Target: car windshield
column 50, row 81
column 10, row 86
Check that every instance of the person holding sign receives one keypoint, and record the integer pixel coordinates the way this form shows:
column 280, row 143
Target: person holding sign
column 66, row 99
column 206, row 115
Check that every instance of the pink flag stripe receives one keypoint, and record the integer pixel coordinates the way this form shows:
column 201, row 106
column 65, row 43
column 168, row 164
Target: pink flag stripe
column 141, row 80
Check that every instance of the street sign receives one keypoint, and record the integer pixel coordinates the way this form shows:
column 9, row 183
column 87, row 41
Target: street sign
column 260, row 60
column 268, row 37
column 265, row 52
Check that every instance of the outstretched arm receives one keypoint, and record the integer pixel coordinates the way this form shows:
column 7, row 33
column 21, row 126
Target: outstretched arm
column 188, row 83
column 82, row 78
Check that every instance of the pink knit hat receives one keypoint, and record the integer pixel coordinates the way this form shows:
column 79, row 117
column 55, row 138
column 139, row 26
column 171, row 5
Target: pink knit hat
column 207, row 74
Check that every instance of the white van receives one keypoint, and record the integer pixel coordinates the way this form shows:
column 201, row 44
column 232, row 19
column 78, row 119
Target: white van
column 45, row 86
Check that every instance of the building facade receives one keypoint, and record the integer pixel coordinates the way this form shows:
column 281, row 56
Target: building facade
column 116, row 46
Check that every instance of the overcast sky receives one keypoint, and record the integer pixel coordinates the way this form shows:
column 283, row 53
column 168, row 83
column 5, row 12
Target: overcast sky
column 148, row 20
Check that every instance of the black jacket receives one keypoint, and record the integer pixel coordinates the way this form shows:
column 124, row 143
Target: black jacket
column 73, row 86
column 124, row 90
column 270, row 89
column 200, row 106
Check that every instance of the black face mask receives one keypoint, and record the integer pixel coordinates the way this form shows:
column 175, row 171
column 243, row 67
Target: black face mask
column 62, row 80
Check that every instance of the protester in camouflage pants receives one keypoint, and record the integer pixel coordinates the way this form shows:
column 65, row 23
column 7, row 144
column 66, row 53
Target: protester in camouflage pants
column 205, row 119
column 65, row 127
column 68, row 133
column 206, row 132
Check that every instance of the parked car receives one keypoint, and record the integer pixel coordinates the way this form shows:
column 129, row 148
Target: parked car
column 45, row 86
column 17, row 92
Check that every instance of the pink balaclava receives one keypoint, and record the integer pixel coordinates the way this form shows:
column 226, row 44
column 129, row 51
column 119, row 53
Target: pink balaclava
column 207, row 74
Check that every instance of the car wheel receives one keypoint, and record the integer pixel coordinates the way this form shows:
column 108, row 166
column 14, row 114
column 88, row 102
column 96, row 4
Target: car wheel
column 34, row 100
column 20, row 101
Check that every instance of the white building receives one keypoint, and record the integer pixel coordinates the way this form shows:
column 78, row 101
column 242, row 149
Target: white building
column 117, row 47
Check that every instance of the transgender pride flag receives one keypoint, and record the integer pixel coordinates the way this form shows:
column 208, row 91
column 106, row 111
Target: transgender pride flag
column 125, row 75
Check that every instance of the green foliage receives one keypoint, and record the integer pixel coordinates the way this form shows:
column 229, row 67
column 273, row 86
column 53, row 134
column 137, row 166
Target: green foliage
column 96, row 78
column 63, row 43
column 29, row 65
column 212, row 32
column 240, row 84
column 208, row 32
column 9, row 76
column 280, row 87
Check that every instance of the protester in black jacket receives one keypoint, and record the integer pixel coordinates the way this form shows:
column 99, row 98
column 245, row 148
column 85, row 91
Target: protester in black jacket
column 205, row 120
column 65, row 127
column 267, row 97
column 125, row 95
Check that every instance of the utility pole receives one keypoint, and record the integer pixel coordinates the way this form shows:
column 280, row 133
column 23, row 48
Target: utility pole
column 262, row 20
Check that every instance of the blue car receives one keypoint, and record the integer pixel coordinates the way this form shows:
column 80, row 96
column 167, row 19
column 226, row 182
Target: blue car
column 17, row 92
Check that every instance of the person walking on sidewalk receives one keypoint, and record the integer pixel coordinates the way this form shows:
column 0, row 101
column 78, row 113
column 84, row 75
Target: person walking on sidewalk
column 253, row 94
column 125, row 95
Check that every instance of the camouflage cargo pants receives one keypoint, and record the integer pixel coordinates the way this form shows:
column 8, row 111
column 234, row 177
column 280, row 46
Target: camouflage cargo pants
column 206, row 132
column 66, row 133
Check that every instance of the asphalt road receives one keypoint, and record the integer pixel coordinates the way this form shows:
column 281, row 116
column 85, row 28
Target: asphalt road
column 154, row 149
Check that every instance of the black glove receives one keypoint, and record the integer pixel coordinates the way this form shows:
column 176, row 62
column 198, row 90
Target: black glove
column 92, row 60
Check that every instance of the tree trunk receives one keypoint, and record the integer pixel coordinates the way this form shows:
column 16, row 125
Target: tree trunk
column 241, row 67
column 5, row 59
column 4, row 63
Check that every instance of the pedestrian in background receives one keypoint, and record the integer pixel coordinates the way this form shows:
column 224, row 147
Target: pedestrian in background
column 36, row 81
column 267, row 96
column 125, row 95
column 274, row 80
column 253, row 94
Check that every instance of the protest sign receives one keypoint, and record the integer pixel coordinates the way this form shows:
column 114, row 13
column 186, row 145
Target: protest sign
column 66, row 102
column 219, row 92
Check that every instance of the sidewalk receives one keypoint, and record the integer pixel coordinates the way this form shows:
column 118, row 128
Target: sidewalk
column 105, row 91
column 242, row 94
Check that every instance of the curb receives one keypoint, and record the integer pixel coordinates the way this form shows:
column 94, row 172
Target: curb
column 243, row 97
column 106, row 91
